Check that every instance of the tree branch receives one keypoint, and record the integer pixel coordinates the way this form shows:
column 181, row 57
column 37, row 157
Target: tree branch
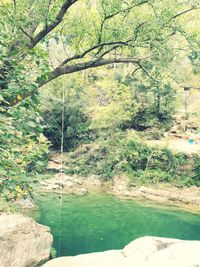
column 107, row 17
column 61, row 70
column 180, row 14
column 126, row 9
column 48, row 28
column 91, row 49
column 145, row 71
column 26, row 33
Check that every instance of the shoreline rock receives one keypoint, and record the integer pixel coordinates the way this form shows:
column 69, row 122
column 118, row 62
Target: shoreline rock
column 142, row 252
column 23, row 242
column 185, row 198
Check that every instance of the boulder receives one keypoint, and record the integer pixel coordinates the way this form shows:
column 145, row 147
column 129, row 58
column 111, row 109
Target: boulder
column 142, row 252
column 23, row 242
column 111, row 258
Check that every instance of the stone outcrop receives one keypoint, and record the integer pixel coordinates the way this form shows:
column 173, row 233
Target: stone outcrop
column 143, row 252
column 187, row 198
column 70, row 184
column 23, row 242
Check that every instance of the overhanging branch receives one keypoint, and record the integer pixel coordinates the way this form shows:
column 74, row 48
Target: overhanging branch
column 61, row 70
column 49, row 27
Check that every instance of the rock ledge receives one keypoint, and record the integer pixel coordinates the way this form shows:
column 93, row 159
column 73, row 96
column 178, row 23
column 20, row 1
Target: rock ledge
column 143, row 252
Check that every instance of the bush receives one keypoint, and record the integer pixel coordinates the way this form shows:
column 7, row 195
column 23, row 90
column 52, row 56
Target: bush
column 196, row 170
column 76, row 122
column 23, row 149
column 153, row 176
column 128, row 155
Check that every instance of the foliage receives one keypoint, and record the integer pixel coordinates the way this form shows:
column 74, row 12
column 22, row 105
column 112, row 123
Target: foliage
column 76, row 121
column 75, row 125
column 115, row 106
column 156, row 102
column 196, row 176
column 130, row 156
column 6, row 206
column 23, row 149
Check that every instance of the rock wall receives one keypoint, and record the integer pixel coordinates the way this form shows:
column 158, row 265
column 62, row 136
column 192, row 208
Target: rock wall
column 143, row 252
column 23, row 242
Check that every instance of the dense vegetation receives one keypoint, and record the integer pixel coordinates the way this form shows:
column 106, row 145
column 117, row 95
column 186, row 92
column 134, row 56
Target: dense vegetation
column 129, row 156
column 137, row 47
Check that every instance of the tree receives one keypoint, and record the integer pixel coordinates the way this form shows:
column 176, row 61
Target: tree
column 105, row 32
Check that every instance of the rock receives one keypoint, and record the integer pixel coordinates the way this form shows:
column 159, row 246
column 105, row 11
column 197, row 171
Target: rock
column 82, row 191
column 101, row 259
column 120, row 184
column 162, row 196
column 183, row 255
column 52, row 165
column 140, row 251
column 52, row 187
column 77, row 181
column 143, row 252
column 94, row 180
column 23, row 242
column 69, row 184
column 26, row 203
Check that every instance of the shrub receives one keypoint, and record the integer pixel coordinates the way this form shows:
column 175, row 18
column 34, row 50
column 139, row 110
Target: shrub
column 128, row 155
column 23, row 149
column 196, row 170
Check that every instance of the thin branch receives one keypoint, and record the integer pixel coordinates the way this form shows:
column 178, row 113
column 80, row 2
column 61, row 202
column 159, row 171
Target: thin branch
column 48, row 9
column 107, row 17
column 48, row 28
column 80, row 56
column 126, row 9
column 101, row 31
column 15, row 4
column 26, row 33
column 135, row 70
column 145, row 71
column 180, row 14
column 108, row 51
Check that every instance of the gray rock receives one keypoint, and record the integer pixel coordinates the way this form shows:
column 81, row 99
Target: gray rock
column 143, row 252
column 69, row 184
column 82, row 191
column 23, row 242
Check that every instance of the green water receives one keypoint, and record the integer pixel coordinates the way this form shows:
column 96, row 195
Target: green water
column 100, row 222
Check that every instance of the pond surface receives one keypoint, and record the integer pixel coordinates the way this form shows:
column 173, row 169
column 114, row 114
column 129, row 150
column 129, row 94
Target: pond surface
column 94, row 223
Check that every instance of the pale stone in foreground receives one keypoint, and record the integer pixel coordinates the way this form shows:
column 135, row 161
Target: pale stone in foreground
column 143, row 252
column 23, row 242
